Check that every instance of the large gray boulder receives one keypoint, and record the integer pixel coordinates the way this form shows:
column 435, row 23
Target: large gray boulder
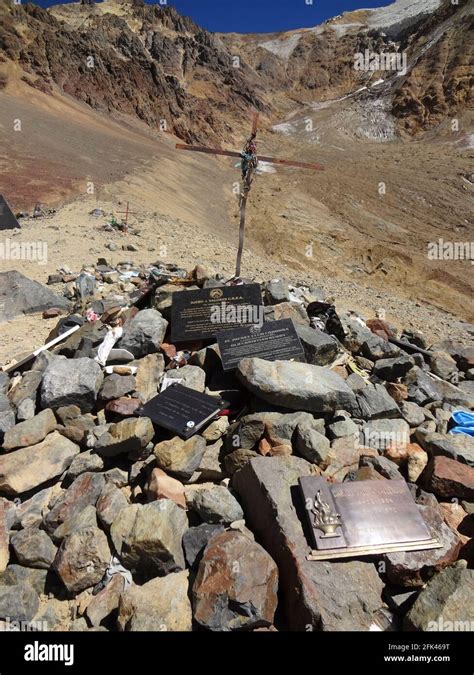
column 144, row 334
column 323, row 595
column 375, row 402
column 20, row 295
column 320, row 348
column 33, row 548
column 148, row 539
column 18, row 602
column 217, row 505
column 298, row 386
column 71, row 382
column 445, row 604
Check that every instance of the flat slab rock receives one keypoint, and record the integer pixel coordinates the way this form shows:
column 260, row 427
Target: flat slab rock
column 297, row 386
column 30, row 467
column 20, row 295
column 322, row 595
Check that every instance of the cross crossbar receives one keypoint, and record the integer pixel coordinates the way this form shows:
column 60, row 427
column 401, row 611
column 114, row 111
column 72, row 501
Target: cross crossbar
column 261, row 158
column 249, row 165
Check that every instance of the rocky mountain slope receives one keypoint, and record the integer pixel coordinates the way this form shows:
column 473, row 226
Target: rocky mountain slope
column 149, row 62
column 141, row 60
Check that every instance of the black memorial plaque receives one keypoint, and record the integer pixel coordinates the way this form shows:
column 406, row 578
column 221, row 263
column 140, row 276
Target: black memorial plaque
column 182, row 410
column 274, row 341
column 7, row 219
column 362, row 518
column 200, row 315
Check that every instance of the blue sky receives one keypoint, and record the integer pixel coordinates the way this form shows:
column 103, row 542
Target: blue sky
column 261, row 16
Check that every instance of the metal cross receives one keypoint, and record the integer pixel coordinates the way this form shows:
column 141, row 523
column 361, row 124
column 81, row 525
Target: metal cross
column 249, row 165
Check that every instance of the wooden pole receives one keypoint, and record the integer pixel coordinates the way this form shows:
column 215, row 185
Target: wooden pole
column 243, row 208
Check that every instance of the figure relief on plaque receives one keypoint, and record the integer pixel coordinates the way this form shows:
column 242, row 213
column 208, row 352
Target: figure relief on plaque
column 325, row 519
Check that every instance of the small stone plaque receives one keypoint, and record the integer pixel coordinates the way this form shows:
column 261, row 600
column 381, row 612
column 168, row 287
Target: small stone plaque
column 362, row 518
column 275, row 340
column 200, row 315
column 182, row 410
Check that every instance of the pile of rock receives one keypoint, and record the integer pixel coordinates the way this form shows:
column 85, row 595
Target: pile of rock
column 108, row 522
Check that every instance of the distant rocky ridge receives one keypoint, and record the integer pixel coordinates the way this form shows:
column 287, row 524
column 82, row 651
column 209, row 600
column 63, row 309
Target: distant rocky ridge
column 152, row 63
column 108, row 522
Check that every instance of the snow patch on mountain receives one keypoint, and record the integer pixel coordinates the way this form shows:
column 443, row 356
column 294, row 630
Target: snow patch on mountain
column 282, row 47
column 400, row 14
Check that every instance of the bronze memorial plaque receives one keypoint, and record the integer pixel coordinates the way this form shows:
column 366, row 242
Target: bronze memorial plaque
column 200, row 315
column 362, row 518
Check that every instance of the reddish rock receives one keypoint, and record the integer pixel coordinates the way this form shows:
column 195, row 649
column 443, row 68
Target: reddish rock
column 368, row 473
column 344, row 457
column 111, row 501
column 264, row 447
column 125, row 407
column 397, row 454
column 236, row 585
column 456, row 517
column 84, row 491
column 104, row 603
column 82, row 559
column 169, row 350
column 399, row 392
column 380, row 328
column 274, row 447
column 162, row 486
column 449, row 478
column 51, row 313
column 414, row 568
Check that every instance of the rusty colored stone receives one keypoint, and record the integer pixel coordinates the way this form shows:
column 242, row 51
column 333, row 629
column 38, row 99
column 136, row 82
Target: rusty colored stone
column 236, row 585
column 162, row 486
column 368, row 473
column 399, row 392
column 104, row 603
column 449, row 478
column 125, row 407
column 380, row 328
column 51, row 313
column 84, row 491
column 456, row 517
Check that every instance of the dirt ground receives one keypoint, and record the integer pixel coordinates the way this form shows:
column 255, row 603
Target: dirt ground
column 338, row 230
